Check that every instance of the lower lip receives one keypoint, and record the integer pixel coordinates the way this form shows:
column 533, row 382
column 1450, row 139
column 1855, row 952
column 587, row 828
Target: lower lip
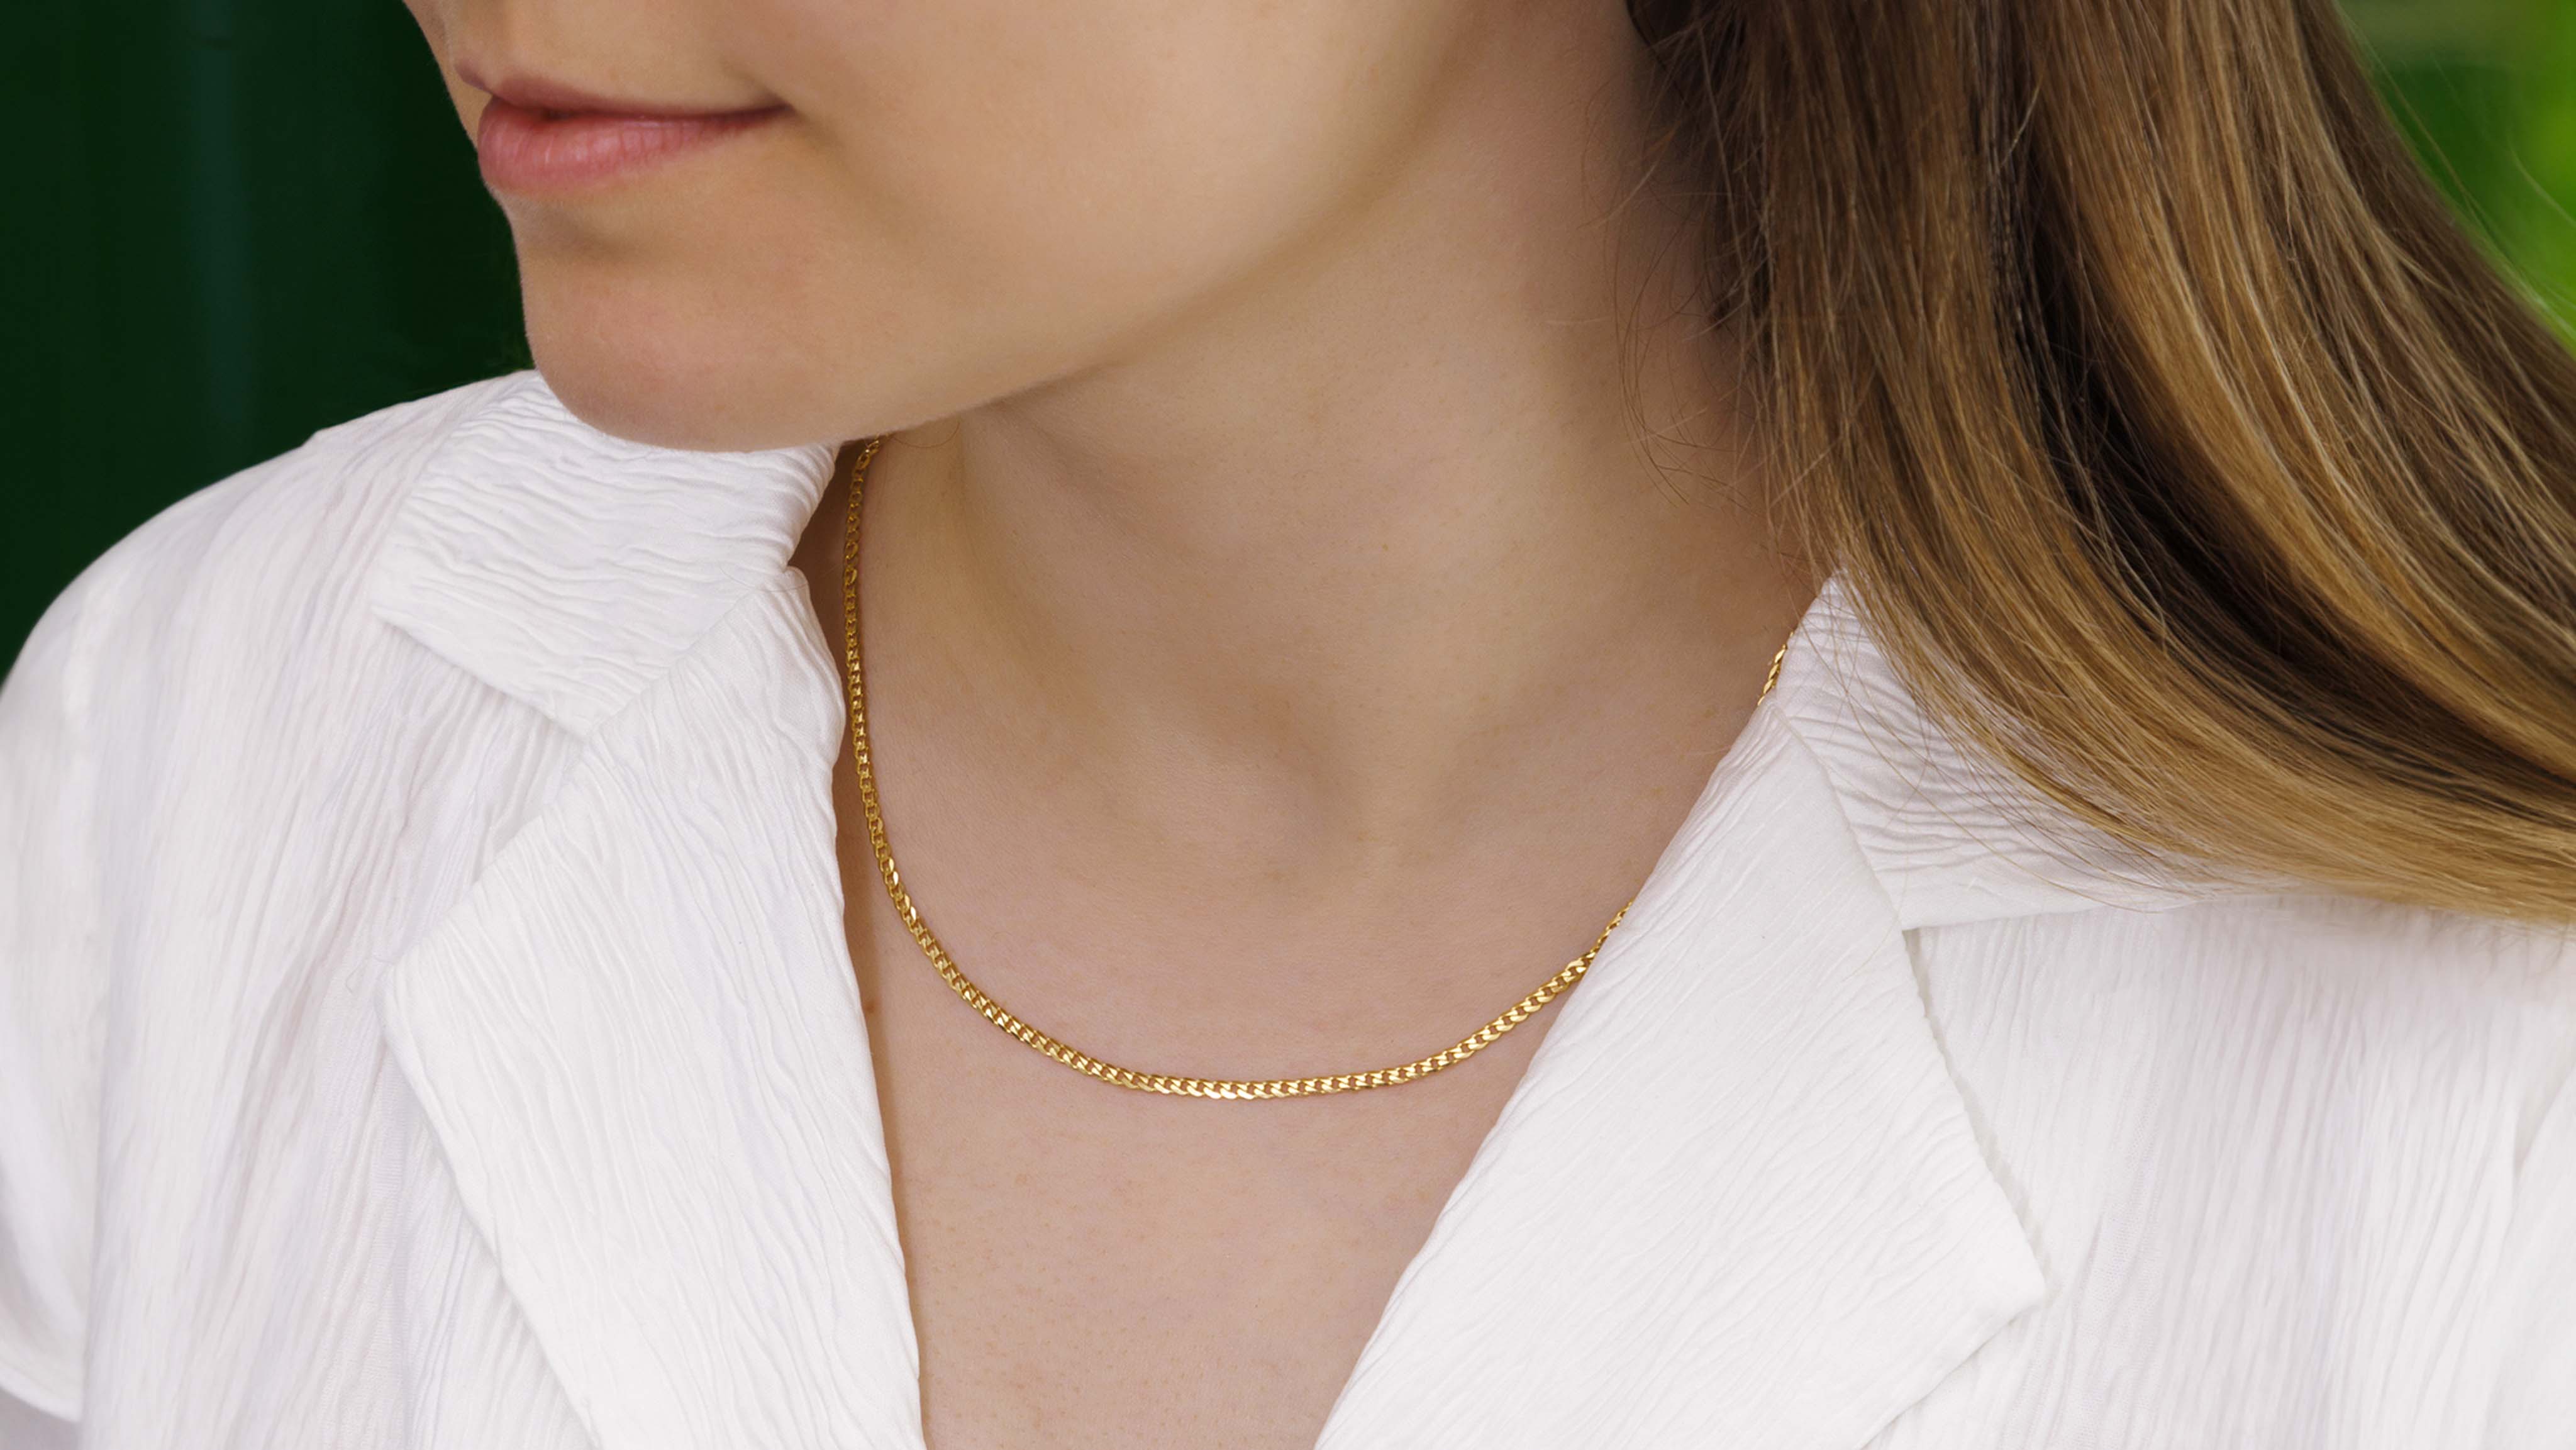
column 529, row 151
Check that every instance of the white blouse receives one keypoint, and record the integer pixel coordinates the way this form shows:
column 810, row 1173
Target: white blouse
column 425, row 1020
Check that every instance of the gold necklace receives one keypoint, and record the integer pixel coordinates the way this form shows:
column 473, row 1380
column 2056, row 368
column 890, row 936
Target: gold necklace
column 1083, row 1062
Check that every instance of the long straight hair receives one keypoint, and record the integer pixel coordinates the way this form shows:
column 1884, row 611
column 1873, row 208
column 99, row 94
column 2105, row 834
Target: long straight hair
column 2185, row 454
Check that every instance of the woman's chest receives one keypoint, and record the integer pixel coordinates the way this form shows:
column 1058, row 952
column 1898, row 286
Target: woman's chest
column 1090, row 1265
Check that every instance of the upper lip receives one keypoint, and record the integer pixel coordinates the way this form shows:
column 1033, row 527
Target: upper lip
column 540, row 93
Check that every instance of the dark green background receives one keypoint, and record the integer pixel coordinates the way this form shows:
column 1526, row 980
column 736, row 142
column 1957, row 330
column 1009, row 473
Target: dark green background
column 233, row 223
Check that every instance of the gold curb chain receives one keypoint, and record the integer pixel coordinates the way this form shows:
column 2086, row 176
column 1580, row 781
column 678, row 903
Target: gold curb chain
column 1083, row 1062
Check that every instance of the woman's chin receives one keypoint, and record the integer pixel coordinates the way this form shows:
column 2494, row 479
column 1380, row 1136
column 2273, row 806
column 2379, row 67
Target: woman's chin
column 657, row 395
column 657, row 350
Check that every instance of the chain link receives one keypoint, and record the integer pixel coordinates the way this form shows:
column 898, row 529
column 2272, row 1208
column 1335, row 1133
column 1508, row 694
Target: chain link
column 1080, row 1061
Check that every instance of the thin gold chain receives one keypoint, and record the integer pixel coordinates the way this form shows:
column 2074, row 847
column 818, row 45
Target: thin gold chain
column 1083, row 1062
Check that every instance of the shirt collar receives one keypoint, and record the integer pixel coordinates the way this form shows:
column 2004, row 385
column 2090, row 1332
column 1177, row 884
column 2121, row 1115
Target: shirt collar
column 570, row 568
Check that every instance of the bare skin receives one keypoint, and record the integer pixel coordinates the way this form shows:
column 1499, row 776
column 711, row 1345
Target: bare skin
column 1283, row 653
column 1243, row 1251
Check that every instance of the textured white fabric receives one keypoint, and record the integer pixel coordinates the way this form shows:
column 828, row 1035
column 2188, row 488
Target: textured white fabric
column 424, row 1021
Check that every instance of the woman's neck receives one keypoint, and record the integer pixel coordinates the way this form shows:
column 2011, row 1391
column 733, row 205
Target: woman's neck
column 1364, row 550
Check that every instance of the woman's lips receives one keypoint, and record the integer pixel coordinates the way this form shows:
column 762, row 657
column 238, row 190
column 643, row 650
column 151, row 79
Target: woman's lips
column 530, row 151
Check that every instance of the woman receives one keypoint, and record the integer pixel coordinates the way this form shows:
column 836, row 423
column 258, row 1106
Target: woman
column 1334, row 484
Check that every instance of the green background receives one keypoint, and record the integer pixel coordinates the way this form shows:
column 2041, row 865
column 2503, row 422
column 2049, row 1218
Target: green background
column 236, row 222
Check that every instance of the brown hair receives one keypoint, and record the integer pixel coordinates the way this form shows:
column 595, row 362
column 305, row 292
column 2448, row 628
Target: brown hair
column 2183, row 452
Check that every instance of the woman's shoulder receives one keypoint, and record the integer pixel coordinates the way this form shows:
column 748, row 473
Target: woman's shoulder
column 481, row 552
column 227, row 643
column 227, row 614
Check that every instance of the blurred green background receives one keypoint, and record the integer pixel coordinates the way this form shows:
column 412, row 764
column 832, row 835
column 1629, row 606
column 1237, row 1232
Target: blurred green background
column 234, row 223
